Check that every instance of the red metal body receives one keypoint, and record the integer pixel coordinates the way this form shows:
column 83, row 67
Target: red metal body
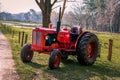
column 41, row 41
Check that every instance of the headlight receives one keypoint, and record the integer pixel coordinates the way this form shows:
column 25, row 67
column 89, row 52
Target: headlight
column 46, row 37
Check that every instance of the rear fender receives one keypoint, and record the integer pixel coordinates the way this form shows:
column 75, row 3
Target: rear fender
column 79, row 37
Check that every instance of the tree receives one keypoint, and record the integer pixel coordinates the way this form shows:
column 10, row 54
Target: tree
column 77, row 15
column 105, row 13
column 46, row 8
column 115, row 19
column 95, row 10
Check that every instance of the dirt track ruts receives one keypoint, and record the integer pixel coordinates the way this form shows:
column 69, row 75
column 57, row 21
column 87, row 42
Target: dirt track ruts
column 7, row 68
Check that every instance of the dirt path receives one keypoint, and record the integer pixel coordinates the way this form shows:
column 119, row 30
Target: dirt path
column 7, row 70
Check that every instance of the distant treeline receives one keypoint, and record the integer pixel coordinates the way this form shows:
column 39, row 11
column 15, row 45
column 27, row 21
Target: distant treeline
column 30, row 16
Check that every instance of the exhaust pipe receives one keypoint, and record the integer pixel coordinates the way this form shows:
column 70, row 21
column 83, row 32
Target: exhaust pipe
column 59, row 22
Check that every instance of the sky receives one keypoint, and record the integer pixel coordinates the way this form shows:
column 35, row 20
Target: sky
column 18, row 6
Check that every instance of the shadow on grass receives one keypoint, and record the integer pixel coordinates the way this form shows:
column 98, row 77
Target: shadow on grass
column 35, row 65
column 73, row 71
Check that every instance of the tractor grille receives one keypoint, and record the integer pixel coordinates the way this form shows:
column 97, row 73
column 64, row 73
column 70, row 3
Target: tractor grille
column 36, row 38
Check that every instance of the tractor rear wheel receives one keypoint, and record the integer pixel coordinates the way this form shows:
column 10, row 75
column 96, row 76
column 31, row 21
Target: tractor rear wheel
column 54, row 59
column 26, row 53
column 87, row 49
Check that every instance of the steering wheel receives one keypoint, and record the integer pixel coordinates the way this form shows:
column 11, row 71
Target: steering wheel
column 65, row 27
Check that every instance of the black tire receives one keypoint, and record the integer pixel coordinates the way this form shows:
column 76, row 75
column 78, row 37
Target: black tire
column 54, row 59
column 87, row 49
column 26, row 53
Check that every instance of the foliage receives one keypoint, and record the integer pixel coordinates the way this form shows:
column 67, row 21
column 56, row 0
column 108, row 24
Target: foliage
column 100, row 15
column 30, row 16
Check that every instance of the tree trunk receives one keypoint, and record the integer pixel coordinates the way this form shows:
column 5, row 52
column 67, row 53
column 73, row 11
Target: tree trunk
column 63, row 9
column 87, row 25
column 119, row 22
column 46, row 18
column 46, row 13
column 46, row 8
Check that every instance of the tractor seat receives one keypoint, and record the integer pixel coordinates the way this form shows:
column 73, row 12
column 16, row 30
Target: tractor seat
column 74, row 33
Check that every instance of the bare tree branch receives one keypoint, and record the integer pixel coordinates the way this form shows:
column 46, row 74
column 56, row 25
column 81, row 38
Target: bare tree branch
column 37, row 2
column 64, row 4
column 41, row 4
column 54, row 2
column 71, row 1
column 56, row 7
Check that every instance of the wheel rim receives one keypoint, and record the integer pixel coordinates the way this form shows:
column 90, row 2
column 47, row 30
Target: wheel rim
column 90, row 50
column 57, row 60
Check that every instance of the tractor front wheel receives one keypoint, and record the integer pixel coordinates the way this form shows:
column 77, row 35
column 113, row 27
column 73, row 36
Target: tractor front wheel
column 87, row 49
column 26, row 53
column 54, row 59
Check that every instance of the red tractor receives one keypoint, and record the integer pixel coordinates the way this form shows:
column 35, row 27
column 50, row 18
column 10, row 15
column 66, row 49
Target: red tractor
column 62, row 43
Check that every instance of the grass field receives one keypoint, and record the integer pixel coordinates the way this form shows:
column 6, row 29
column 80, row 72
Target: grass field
column 69, row 69
column 20, row 24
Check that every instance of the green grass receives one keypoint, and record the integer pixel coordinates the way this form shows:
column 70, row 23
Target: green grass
column 69, row 69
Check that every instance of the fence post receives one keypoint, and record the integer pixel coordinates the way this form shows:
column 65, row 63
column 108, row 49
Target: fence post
column 13, row 34
column 110, row 49
column 22, row 38
column 6, row 29
column 19, row 37
column 9, row 30
column 26, row 37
